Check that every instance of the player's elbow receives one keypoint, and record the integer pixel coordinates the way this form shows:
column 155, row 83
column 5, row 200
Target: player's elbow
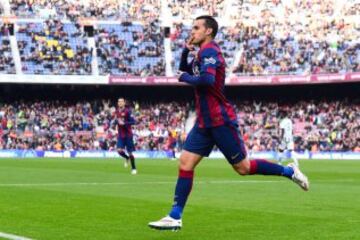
column 182, row 68
column 208, row 79
column 212, row 82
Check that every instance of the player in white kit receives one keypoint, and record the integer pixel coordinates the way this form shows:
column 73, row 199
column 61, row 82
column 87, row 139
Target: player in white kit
column 286, row 147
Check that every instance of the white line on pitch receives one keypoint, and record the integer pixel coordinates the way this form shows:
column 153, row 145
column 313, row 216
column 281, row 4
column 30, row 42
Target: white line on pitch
column 12, row 236
column 152, row 183
column 123, row 183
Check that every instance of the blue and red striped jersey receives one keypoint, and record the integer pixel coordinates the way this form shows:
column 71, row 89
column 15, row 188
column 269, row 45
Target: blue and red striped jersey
column 212, row 107
column 124, row 120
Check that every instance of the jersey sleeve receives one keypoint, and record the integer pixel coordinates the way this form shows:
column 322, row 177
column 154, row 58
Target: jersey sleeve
column 282, row 125
column 130, row 118
column 184, row 65
column 209, row 61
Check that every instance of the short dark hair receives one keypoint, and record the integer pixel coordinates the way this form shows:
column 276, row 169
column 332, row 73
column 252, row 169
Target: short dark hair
column 210, row 22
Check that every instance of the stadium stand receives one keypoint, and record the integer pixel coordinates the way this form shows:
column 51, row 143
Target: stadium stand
column 59, row 125
column 145, row 10
column 318, row 126
column 264, row 37
column 7, row 65
column 258, row 37
column 299, row 37
column 131, row 49
column 52, row 47
column 188, row 10
column 85, row 125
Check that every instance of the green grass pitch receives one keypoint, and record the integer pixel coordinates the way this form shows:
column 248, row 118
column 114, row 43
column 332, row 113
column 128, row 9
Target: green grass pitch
column 99, row 199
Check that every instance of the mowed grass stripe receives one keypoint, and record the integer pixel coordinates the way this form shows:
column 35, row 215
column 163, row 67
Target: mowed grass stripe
column 219, row 206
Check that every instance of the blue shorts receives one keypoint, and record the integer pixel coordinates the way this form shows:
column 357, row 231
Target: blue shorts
column 126, row 142
column 172, row 145
column 226, row 137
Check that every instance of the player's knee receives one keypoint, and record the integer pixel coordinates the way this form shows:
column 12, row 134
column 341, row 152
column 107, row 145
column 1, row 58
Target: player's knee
column 186, row 165
column 242, row 168
column 243, row 171
column 188, row 162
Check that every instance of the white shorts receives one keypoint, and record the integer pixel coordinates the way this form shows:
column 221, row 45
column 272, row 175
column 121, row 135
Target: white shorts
column 286, row 145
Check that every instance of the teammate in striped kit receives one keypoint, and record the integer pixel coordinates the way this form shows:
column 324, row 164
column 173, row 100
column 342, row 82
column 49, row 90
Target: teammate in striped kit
column 216, row 122
column 124, row 120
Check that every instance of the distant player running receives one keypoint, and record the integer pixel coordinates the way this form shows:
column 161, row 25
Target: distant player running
column 216, row 122
column 124, row 120
column 286, row 147
column 171, row 144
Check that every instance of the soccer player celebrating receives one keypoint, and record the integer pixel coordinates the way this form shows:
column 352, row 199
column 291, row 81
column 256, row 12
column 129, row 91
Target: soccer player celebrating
column 216, row 122
column 124, row 120
column 286, row 147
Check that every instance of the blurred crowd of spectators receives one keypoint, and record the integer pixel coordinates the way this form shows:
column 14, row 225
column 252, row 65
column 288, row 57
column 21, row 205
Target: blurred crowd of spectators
column 50, row 48
column 188, row 10
column 6, row 59
column 299, row 36
column 260, row 37
column 59, row 125
column 140, row 54
column 318, row 126
column 140, row 10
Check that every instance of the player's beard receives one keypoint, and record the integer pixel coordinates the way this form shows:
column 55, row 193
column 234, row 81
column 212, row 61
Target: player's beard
column 198, row 43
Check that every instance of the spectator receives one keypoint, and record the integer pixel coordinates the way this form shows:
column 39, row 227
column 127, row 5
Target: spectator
column 334, row 126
